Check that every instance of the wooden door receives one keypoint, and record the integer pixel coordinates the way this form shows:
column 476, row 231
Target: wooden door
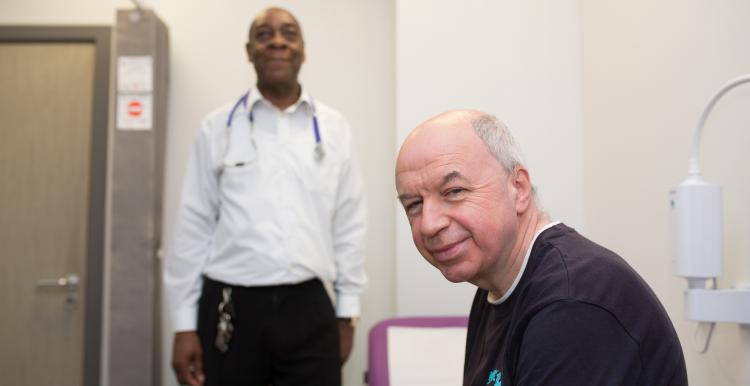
column 47, row 102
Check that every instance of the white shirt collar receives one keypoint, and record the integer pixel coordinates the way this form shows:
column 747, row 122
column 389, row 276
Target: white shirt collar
column 523, row 266
column 255, row 96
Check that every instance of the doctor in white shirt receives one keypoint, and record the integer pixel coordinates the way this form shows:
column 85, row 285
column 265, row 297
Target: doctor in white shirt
column 272, row 207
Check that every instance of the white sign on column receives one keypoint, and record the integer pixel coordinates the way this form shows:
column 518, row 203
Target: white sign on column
column 135, row 78
column 135, row 74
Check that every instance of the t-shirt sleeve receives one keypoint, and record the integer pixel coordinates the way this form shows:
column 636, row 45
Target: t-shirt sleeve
column 576, row 343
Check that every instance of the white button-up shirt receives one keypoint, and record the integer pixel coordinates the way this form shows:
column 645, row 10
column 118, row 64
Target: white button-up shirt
column 268, row 212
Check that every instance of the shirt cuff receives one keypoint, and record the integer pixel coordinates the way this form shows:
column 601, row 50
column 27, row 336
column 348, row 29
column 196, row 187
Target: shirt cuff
column 185, row 319
column 347, row 305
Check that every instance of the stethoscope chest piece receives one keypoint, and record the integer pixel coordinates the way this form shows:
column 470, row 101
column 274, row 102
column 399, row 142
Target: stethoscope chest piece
column 319, row 152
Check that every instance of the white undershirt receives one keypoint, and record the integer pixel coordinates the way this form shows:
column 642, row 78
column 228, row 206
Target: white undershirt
column 523, row 267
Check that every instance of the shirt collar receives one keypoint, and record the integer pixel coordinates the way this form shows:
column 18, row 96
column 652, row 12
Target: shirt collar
column 255, row 97
column 523, row 266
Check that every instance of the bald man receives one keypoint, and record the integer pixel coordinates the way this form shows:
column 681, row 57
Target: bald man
column 551, row 307
column 272, row 208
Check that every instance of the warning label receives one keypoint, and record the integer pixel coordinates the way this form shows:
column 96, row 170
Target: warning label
column 134, row 112
column 135, row 108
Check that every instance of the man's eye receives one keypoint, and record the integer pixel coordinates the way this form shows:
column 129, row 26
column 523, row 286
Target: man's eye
column 291, row 35
column 454, row 191
column 413, row 207
column 263, row 35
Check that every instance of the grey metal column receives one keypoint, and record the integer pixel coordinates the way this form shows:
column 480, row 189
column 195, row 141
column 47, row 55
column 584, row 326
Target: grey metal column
column 137, row 179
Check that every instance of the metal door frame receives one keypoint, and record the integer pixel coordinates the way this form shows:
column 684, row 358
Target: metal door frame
column 100, row 36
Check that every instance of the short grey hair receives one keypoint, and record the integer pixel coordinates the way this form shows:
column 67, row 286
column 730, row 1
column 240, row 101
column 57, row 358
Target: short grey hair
column 498, row 139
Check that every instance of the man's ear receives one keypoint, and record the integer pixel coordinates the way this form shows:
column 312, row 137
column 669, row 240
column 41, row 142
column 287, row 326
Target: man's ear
column 249, row 49
column 524, row 191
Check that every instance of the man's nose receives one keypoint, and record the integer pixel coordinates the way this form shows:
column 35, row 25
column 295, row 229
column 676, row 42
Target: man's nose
column 278, row 40
column 434, row 218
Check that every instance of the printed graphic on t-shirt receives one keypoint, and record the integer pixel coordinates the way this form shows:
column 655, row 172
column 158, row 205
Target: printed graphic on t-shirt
column 495, row 376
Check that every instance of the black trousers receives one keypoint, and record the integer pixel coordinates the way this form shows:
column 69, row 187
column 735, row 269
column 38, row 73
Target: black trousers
column 284, row 335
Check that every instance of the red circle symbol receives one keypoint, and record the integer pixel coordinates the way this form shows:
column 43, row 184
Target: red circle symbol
column 135, row 108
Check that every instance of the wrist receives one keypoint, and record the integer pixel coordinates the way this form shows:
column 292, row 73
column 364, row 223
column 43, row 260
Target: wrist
column 352, row 321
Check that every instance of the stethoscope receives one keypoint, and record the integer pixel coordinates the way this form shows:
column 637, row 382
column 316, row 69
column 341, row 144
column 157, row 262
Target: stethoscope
column 319, row 153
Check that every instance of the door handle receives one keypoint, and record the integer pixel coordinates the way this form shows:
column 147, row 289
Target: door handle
column 68, row 282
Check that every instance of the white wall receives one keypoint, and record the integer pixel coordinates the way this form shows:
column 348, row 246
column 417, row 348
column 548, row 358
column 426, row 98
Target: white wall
column 349, row 66
column 519, row 60
column 603, row 99
column 649, row 68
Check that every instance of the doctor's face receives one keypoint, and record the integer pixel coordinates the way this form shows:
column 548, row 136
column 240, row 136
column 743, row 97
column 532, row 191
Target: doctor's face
column 276, row 47
column 459, row 200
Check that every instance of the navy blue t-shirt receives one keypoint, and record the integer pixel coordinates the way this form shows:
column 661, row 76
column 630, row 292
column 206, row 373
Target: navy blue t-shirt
column 580, row 315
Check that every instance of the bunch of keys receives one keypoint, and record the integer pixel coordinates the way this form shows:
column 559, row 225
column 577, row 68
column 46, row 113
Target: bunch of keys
column 225, row 327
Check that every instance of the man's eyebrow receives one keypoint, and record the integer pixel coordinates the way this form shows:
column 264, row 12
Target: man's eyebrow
column 454, row 175
column 406, row 196
column 283, row 25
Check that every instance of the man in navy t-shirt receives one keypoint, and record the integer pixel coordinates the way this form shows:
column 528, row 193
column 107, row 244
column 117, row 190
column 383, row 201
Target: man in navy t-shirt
column 552, row 307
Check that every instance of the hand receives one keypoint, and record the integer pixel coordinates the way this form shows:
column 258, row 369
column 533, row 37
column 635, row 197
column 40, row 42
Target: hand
column 346, row 338
column 187, row 358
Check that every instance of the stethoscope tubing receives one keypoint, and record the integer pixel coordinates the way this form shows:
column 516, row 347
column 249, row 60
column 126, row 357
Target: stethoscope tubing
column 319, row 153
